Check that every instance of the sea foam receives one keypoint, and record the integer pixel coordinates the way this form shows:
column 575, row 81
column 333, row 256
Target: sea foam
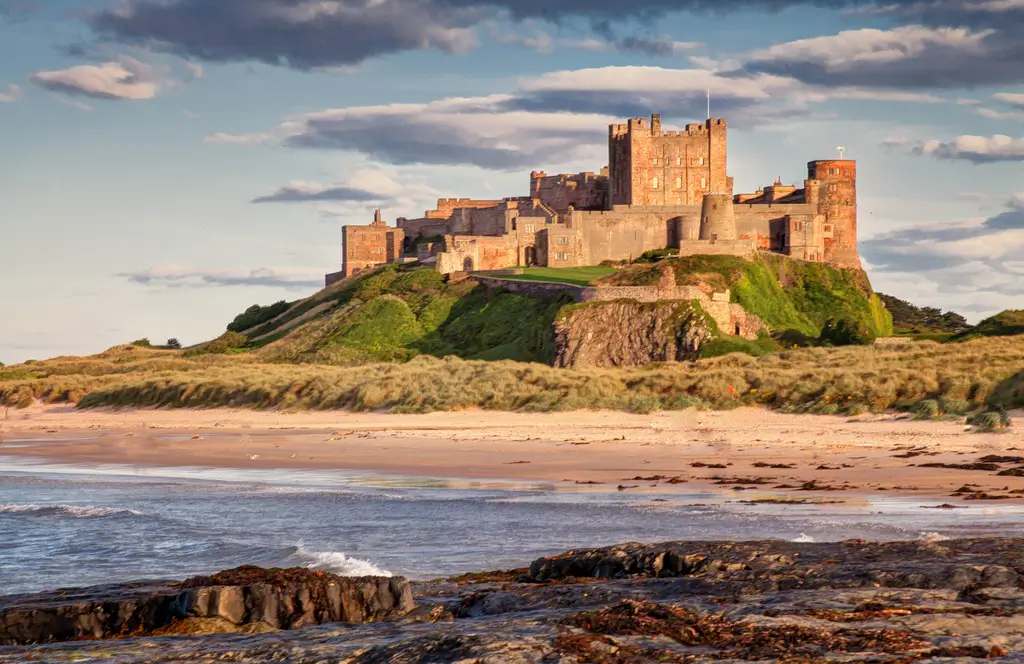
column 339, row 563
column 75, row 511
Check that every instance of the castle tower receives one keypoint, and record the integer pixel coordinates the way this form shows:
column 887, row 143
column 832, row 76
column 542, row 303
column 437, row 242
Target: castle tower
column 832, row 186
column 648, row 166
column 717, row 217
column 377, row 219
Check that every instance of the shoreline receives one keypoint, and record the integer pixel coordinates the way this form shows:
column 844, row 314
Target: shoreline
column 754, row 453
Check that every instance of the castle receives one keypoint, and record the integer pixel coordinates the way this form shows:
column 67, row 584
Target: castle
column 661, row 189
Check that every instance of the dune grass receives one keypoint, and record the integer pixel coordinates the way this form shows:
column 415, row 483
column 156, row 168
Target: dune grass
column 980, row 374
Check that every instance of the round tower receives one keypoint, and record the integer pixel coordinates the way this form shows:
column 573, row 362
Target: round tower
column 717, row 219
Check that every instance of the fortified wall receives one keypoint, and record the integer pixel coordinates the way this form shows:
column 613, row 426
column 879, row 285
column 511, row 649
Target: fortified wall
column 660, row 189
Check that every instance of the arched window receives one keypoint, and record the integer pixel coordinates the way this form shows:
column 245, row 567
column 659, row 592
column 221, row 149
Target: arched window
column 703, row 183
column 700, row 161
column 654, row 183
column 679, row 183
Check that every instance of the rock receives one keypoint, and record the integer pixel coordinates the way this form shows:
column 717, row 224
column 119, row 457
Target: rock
column 244, row 599
column 625, row 333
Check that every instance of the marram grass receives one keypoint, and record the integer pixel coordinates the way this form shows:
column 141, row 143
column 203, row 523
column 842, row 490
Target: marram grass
column 974, row 375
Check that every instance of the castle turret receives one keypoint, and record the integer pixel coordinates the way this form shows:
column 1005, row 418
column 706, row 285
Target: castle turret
column 832, row 186
column 717, row 218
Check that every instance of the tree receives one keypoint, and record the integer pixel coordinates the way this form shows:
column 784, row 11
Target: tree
column 142, row 343
column 173, row 344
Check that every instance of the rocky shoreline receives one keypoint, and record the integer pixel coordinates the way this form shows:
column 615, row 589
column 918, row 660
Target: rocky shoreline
column 681, row 602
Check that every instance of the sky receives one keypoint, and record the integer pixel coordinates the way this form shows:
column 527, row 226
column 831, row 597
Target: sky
column 165, row 164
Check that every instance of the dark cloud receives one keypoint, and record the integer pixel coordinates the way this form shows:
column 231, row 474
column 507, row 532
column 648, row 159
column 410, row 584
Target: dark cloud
column 312, row 193
column 303, row 34
column 943, row 44
column 307, row 34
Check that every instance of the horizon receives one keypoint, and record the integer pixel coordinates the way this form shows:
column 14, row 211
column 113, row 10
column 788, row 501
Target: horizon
column 167, row 166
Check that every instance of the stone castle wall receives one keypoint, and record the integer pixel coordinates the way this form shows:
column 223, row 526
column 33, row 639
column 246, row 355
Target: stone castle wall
column 582, row 191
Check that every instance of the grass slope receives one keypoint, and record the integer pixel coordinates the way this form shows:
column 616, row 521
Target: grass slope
column 399, row 312
column 578, row 276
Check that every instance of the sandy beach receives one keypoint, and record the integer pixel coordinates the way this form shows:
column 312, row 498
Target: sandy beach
column 772, row 455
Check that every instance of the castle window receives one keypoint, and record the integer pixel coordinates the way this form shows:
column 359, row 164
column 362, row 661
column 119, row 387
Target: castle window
column 700, row 161
column 703, row 183
column 561, row 257
column 679, row 161
column 828, row 228
column 679, row 183
column 563, row 240
column 528, row 228
column 679, row 201
column 654, row 183
column 655, row 161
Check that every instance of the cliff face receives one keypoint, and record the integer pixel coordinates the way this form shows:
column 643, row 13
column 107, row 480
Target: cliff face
column 628, row 333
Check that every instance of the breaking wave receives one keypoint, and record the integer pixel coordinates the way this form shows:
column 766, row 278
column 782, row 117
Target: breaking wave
column 803, row 539
column 338, row 563
column 76, row 511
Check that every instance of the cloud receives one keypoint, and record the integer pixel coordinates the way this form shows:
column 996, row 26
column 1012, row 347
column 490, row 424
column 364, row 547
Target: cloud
column 303, row 34
column 238, row 139
column 974, row 149
column 971, row 264
column 12, row 94
column 537, row 38
column 1011, row 99
column 559, row 115
column 470, row 131
column 299, row 192
column 1000, row 115
column 912, row 56
column 126, row 79
column 358, row 193
column 185, row 277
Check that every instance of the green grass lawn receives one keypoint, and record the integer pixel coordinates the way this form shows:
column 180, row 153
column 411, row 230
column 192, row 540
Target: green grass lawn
column 578, row 276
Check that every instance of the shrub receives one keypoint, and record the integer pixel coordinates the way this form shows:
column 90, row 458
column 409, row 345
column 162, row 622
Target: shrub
column 845, row 332
column 927, row 410
column 992, row 420
column 173, row 344
column 257, row 315
column 142, row 343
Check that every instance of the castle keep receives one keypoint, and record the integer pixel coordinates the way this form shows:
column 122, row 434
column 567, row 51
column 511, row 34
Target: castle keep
column 661, row 189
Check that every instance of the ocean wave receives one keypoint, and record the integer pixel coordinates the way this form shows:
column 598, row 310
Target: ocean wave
column 932, row 537
column 76, row 511
column 803, row 539
column 338, row 563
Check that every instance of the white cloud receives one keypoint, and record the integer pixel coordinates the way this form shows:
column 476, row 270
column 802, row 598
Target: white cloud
column 851, row 48
column 127, row 78
column 1010, row 98
column 1001, row 115
column 12, row 94
column 975, row 149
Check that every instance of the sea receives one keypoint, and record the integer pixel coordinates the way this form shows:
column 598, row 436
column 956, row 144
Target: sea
column 68, row 526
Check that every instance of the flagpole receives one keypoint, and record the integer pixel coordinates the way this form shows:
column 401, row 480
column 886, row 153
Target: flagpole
column 709, row 103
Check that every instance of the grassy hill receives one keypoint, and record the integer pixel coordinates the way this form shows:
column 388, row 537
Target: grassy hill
column 399, row 312
column 788, row 295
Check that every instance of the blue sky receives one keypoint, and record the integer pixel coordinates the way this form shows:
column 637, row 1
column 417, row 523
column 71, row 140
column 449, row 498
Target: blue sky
column 165, row 164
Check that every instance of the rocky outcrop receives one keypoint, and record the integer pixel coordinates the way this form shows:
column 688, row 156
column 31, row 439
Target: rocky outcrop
column 628, row 333
column 244, row 599
column 956, row 601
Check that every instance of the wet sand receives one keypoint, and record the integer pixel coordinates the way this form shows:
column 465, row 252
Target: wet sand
column 763, row 455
